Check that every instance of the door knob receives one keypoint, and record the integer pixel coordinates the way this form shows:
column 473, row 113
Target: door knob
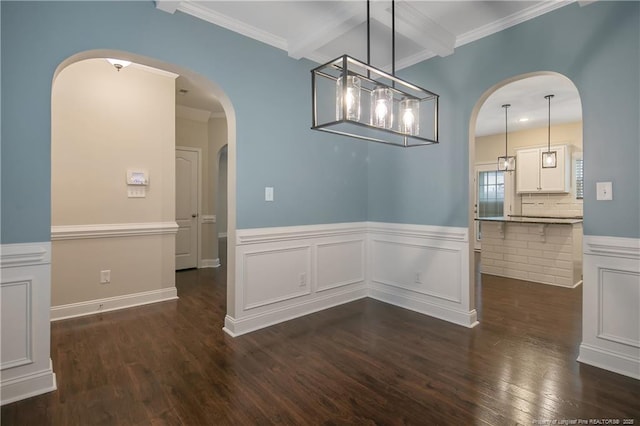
column 194, row 215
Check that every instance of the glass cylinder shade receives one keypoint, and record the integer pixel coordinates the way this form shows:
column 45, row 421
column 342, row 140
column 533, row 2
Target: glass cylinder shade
column 549, row 160
column 348, row 101
column 409, row 116
column 382, row 107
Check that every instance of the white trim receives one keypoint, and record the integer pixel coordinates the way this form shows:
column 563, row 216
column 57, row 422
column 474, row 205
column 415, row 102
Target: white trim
column 447, row 233
column 612, row 246
column 236, row 327
column 210, row 263
column 97, row 306
column 519, row 17
column 25, row 254
column 609, row 360
column 289, row 233
column 222, row 235
column 28, row 385
column 218, row 115
column 193, row 114
column 27, row 339
column 110, row 230
column 232, row 24
column 467, row 319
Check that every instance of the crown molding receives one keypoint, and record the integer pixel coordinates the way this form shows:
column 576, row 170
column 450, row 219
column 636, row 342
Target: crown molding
column 232, row 24
column 510, row 21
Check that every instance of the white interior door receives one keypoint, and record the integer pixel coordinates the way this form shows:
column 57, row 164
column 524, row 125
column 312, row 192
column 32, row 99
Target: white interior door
column 187, row 171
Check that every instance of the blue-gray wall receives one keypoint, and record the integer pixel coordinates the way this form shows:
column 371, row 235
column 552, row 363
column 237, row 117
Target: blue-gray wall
column 320, row 178
column 596, row 47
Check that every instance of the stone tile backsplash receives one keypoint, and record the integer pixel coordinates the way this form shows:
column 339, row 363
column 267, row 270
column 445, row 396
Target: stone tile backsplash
column 563, row 205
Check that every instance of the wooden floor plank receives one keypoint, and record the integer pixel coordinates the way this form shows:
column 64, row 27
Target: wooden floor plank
column 362, row 363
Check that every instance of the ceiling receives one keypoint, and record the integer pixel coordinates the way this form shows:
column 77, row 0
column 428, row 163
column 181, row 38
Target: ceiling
column 321, row 30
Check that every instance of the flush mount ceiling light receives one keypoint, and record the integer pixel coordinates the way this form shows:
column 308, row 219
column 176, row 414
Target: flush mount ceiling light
column 506, row 163
column 549, row 158
column 119, row 63
column 352, row 98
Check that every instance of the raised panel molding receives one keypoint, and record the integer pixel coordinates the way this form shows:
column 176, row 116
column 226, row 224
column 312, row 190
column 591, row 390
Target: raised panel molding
column 611, row 304
column 619, row 306
column 281, row 273
column 110, row 230
column 448, row 270
column 25, row 288
column 336, row 266
column 17, row 333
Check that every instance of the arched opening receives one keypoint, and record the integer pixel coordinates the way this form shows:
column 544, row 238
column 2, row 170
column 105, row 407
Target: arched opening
column 537, row 255
column 142, row 142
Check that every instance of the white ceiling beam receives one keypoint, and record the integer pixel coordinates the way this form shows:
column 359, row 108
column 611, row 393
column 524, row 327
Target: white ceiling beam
column 419, row 28
column 169, row 6
column 344, row 17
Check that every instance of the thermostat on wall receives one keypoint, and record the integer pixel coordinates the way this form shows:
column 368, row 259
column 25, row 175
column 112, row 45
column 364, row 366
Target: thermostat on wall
column 137, row 177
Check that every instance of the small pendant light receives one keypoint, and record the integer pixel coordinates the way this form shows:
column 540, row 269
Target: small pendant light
column 549, row 158
column 506, row 163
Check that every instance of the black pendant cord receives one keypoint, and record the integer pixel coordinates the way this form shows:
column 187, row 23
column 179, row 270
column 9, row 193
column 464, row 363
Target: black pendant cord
column 549, row 124
column 368, row 33
column 393, row 39
column 506, row 133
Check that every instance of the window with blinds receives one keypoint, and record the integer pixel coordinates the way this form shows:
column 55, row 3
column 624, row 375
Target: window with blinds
column 579, row 173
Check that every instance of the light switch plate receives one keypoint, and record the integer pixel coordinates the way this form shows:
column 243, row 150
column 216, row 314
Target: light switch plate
column 268, row 193
column 604, row 191
column 136, row 191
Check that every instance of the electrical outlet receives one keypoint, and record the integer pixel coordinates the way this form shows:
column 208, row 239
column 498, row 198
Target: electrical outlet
column 303, row 279
column 105, row 276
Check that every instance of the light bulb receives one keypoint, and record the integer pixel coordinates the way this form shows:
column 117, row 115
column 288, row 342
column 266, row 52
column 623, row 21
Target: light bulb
column 351, row 103
column 382, row 107
column 410, row 113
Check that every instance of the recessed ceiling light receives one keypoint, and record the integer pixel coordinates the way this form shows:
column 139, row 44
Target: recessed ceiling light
column 523, row 119
column 183, row 91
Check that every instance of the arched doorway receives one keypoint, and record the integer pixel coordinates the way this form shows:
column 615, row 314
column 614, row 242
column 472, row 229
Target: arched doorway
column 502, row 194
column 150, row 220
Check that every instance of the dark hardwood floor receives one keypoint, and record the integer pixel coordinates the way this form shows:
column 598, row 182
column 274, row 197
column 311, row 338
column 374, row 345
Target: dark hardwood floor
column 362, row 363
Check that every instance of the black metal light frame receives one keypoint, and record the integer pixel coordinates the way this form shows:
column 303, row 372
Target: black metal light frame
column 549, row 158
column 507, row 163
column 326, row 117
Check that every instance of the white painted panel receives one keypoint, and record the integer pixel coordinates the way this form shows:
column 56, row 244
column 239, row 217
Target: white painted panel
column 619, row 314
column 16, row 323
column 339, row 264
column 274, row 275
column 421, row 268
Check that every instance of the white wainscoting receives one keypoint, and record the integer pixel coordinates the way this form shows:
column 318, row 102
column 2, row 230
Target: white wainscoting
column 611, row 304
column 284, row 273
column 422, row 268
column 25, row 288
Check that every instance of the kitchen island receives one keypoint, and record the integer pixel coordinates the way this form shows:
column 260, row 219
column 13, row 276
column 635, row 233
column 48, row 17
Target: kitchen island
column 546, row 250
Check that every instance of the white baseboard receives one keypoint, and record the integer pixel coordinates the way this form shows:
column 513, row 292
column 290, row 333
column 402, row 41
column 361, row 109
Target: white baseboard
column 210, row 263
column 240, row 326
column 28, row 385
column 97, row 306
column 222, row 235
column 612, row 361
column 466, row 319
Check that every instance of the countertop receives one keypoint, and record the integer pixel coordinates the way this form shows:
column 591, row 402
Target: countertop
column 534, row 219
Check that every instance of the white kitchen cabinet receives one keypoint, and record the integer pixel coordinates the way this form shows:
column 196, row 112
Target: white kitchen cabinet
column 531, row 177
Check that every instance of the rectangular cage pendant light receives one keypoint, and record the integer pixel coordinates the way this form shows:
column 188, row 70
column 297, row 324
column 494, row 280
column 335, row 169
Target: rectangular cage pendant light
column 354, row 99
